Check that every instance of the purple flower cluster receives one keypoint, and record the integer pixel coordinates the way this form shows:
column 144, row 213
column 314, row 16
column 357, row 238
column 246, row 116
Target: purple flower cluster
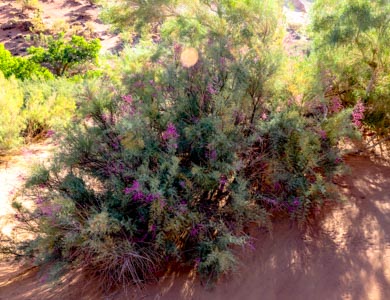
column 39, row 200
column 113, row 168
column 50, row 210
column 170, row 136
column 222, row 182
column 211, row 89
column 135, row 187
column 129, row 104
column 128, row 99
column 358, row 113
column 50, row 133
column 335, row 105
column 322, row 134
column 277, row 187
column 177, row 48
column 294, row 205
column 211, row 153
column 296, row 201
column 170, row 133
column 271, row 201
column 137, row 194
column 195, row 230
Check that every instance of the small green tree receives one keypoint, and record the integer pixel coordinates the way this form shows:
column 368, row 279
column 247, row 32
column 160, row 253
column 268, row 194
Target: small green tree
column 20, row 67
column 60, row 55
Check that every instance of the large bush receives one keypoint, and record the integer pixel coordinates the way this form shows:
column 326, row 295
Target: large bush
column 196, row 141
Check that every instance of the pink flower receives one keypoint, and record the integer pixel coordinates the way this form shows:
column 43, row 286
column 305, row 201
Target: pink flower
column 322, row 134
column 177, row 48
column 222, row 182
column 39, row 200
column 251, row 245
column 170, row 135
column 211, row 89
column 50, row 210
column 150, row 198
column 50, row 133
column 128, row 99
column 358, row 113
column 336, row 105
column 277, row 186
column 197, row 261
column 134, row 188
column 195, row 230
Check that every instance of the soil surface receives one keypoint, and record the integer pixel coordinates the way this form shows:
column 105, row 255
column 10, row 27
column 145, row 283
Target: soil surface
column 78, row 16
column 344, row 255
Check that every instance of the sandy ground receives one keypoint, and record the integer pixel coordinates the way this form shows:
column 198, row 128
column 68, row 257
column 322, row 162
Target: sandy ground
column 73, row 12
column 13, row 172
column 345, row 255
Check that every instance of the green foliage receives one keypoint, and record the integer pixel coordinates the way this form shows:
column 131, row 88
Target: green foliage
column 20, row 67
column 351, row 43
column 60, row 55
column 48, row 105
column 11, row 102
column 34, row 108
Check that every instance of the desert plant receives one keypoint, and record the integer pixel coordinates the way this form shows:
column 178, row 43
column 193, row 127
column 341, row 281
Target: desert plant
column 11, row 102
column 20, row 67
column 351, row 44
column 30, row 4
column 49, row 105
column 60, row 55
column 194, row 139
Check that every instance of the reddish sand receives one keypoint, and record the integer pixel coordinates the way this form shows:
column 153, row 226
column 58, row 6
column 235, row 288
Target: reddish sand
column 346, row 255
column 73, row 12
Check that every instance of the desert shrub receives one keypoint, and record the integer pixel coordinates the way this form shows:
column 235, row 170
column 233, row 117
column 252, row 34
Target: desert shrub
column 20, row 67
column 197, row 139
column 48, row 105
column 34, row 108
column 30, row 4
column 38, row 26
column 296, row 159
column 351, row 45
column 61, row 55
column 153, row 190
column 11, row 102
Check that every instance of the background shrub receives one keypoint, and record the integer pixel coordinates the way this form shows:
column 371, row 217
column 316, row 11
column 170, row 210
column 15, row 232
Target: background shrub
column 351, row 45
column 48, row 105
column 60, row 54
column 20, row 67
column 11, row 103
